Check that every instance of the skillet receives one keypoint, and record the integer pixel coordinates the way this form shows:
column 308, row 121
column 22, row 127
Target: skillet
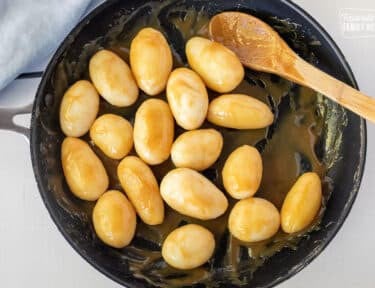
column 342, row 143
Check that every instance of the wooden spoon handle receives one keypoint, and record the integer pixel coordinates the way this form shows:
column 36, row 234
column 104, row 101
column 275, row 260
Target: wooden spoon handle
column 307, row 75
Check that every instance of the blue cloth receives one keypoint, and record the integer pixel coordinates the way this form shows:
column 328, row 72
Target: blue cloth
column 30, row 30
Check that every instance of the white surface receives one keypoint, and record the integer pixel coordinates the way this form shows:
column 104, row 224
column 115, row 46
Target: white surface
column 34, row 254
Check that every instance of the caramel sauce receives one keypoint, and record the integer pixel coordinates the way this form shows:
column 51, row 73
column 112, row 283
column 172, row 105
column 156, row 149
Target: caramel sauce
column 288, row 149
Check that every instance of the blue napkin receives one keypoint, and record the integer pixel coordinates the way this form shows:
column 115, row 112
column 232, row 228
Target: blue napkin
column 30, row 30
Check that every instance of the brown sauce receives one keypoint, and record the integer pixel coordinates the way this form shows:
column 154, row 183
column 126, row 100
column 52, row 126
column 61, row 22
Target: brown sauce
column 288, row 149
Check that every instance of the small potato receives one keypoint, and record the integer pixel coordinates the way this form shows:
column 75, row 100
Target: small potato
column 114, row 219
column 302, row 203
column 191, row 194
column 79, row 108
column 140, row 185
column 242, row 172
column 239, row 111
column 83, row 170
column 153, row 131
column 113, row 135
column 219, row 67
column 188, row 98
column 188, row 247
column 197, row 149
column 113, row 79
column 253, row 220
column 151, row 60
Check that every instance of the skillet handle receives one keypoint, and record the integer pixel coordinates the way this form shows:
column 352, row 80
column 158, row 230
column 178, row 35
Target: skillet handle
column 6, row 119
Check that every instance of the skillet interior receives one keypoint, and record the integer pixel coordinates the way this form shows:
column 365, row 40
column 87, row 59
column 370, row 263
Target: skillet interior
column 343, row 140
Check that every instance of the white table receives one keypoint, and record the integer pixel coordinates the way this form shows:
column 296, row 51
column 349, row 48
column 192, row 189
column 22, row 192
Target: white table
column 34, row 254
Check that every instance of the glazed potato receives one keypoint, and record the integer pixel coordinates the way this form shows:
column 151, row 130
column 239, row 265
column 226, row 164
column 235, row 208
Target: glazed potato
column 188, row 247
column 219, row 67
column 153, row 131
column 114, row 219
column 113, row 135
column 197, row 149
column 239, row 111
column 78, row 109
column 253, row 220
column 113, row 79
column 140, row 185
column 83, row 170
column 302, row 203
column 242, row 172
column 151, row 60
column 191, row 194
column 187, row 97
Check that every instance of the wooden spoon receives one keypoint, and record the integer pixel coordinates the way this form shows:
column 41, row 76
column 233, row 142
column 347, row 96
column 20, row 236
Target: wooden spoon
column 259, row 47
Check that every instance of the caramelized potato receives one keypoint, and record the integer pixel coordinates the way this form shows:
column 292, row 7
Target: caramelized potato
column 188, row 98
column 83, row 170
column 191, row 194
column 188, row 247
column 140, row 185
column 219, row 67
column 113, row 135
column 151, row 60
column 253, row 220
column 242, row 172
column 114, row 219
column 302, row 203
column 197, row 149
column 113, row 79
column 239, row 111
column 153, row 131
column 78, row 108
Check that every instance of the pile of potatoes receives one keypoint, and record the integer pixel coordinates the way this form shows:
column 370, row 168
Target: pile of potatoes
column 184, row 189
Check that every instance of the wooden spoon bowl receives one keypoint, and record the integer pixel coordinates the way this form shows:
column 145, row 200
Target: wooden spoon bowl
column 260, row 47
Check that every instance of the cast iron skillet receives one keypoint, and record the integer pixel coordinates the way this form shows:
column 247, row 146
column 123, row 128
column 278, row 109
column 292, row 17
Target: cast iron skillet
column 69, row 213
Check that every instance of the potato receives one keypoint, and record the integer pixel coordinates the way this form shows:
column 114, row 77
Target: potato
column 219, row 67
column 239, row 111
column 191, row 194
column 151, row 60
column 113, row 135
column 141, row 187
column 253, row 220
column 188, row 247
column 302, row 203
column 188, row 98
column 114, row 219
column 242, row 172
column 83, row 170
column 113, row 79
column 78, row 109
column 153, row 131
column 197, row 149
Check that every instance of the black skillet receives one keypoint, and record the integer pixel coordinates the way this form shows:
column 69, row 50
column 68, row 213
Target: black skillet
column 69, row 64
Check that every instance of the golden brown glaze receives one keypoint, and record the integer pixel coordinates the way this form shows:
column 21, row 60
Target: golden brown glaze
column 140, row 186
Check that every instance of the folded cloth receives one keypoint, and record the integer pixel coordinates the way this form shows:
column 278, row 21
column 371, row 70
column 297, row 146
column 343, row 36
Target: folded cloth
column 31, row 29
